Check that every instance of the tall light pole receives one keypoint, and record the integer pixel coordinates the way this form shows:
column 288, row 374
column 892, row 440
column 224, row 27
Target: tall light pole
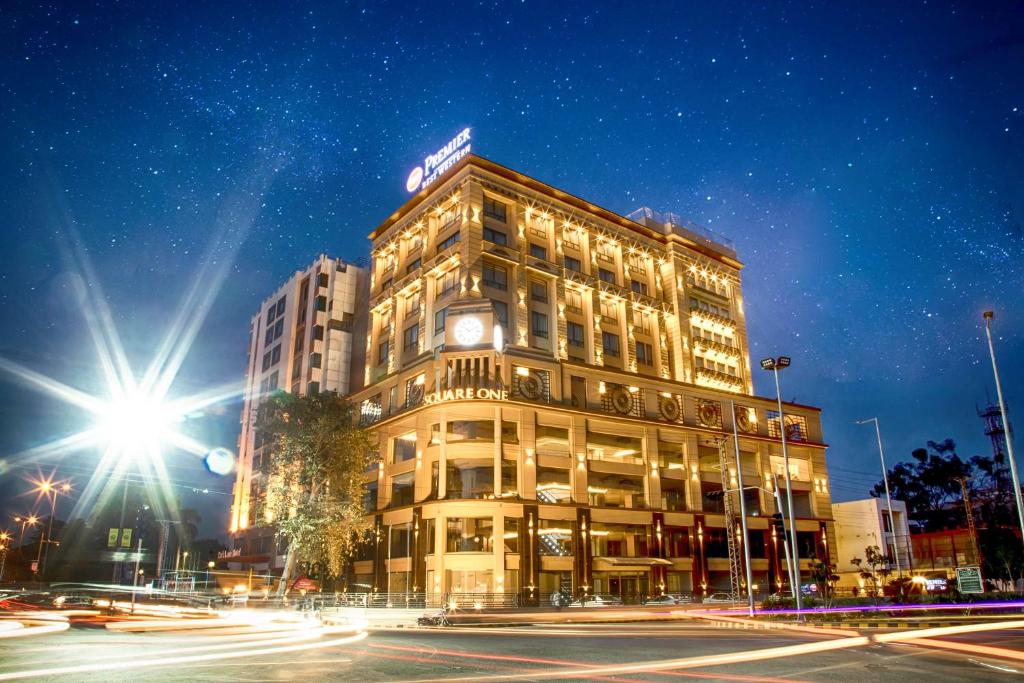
column 4, row 543
column 888, row 496
column 46, row 488
column 988, row 315
column 743, row 514
column 776, row 364
column 31, row 521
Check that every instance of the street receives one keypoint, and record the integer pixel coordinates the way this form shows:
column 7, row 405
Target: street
column 548, row 652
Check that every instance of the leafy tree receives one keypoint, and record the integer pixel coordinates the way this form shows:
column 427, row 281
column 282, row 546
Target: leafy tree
column 825, row 576
column 314, row 494
column 929, row 485
column 874, row 568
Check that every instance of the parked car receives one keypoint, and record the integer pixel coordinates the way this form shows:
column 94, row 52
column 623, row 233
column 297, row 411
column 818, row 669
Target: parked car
column 719, row 598
column 597, row 601
column 662, row 600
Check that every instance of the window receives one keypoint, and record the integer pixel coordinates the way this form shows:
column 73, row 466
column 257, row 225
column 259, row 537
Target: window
column 511, row 536
column 385, row 284
column 573, row 264
column 615, row 448
column 469, row 479
column 555, row 537
column 610, row 344
column 638, row 287
column 573, row 301
column 610, row 309
column 447, row 282
column 677, row 541
column 411, row 338
column 500, row 312
column 537, row 251
column 269, row 337
column 620, row 540
column 495, row 209
column 266, row 361
column 495, row 276
column 272, row 385
column 673, row 494
column 400, row 540
column 439, row 318
column 509, row 432
column 404, row 447
column 271, row 313
column 509, row 478
column 383, row 353
column 574, row 333
column 470, row 535
column 495, row 236
column 278, row 327
column 370, row 496
column 606, row 275
column 317, row 332
column 553, row 485
column 315, row 360
column 275, row 355
column 449, row 241
column 412, row 305
column 414, row 265
column 615, row 490
column 470, row 430
column 280, row 307
column 644, row 353
column 539, row 325
column 402, row 486
column 539, row 291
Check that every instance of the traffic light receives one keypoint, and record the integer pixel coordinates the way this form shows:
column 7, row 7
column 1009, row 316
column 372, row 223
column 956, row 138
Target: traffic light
column 777, row 524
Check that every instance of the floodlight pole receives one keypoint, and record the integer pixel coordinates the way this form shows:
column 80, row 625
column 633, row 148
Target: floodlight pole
column 988, row 315
column 789, row 491
column 743, row 515
column 888, row 496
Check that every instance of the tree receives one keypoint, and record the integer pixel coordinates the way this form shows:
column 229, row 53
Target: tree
column 825, row 576
column 315, row 485
column 874, row 568
column 929, row 485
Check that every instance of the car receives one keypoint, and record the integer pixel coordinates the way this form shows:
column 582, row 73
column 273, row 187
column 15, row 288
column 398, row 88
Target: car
column 719, row 598
column 596, row 601
column 662, row 600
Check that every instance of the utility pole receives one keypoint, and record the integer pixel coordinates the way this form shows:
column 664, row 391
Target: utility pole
column 971, row 528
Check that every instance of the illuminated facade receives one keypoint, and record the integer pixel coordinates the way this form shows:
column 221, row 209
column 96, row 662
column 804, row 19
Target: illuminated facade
column 550, row 383
column 305, row 338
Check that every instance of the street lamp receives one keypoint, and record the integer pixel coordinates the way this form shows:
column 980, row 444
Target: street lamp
column 4, row 538
column 774, row 365
column 988, row 315
column 47, row 487
column 888, row 496
column 30, row 520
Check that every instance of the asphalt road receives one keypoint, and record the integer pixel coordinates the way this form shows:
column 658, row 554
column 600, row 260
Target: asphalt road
column 495, row 653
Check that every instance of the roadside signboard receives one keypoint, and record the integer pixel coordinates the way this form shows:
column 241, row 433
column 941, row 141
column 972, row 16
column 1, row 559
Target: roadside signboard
column 969, row 579
column 112, row 538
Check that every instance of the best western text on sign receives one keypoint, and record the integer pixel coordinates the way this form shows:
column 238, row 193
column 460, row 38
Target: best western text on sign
column 435, row 165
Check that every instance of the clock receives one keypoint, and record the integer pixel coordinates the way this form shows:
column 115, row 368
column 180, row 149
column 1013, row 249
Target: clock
column 468, row 331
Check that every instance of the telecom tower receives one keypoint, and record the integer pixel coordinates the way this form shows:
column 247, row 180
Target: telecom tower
column 994, row 431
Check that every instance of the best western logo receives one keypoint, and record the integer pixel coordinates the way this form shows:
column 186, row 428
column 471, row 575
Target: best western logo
column 436, row 164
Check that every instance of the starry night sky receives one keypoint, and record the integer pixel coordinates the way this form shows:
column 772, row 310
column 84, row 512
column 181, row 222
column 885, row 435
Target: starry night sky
column 866, row 160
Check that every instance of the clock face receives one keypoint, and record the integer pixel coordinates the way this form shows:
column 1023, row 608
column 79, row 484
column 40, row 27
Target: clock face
column 468, row 331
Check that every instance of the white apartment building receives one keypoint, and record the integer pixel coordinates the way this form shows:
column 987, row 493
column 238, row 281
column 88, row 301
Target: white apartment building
column 864, row 523
column 305, row 338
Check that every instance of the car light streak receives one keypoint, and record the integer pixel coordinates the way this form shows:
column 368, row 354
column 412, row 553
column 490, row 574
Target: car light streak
column 668, row 664
column 151, row 661
column 36, row 630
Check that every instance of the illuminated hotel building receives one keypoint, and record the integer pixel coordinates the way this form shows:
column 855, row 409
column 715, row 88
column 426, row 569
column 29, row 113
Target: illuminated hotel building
column 550, row 383
column 305, row 338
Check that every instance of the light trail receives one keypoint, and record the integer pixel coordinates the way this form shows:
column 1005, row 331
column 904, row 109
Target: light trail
column 37, row 630
column 177, row 660
column 671, row 664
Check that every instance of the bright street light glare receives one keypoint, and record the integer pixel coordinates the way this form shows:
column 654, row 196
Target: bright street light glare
column 220, row 461
column 128, row 424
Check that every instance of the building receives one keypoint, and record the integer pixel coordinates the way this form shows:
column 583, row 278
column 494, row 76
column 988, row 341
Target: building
column 860, row 524
column 554, row 388
column 941, row 552
column 305, row 338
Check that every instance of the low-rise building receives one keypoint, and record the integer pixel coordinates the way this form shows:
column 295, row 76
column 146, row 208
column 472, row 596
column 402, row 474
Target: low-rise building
column 861, row 524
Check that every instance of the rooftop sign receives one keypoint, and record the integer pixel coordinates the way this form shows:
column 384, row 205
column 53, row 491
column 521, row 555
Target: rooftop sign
column 435, row 165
